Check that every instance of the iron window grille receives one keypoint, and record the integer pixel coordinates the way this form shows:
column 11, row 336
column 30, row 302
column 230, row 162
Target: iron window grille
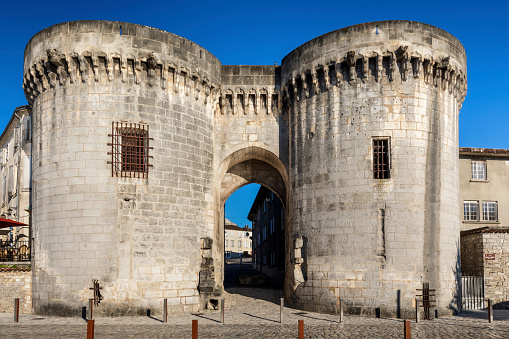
column 478, row 170
column 381, row 159
column 130, row 150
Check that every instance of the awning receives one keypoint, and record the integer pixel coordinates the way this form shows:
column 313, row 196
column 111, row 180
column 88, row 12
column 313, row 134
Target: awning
column 4, row 223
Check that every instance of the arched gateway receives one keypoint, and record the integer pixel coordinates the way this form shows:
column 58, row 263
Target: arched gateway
column 139, row 136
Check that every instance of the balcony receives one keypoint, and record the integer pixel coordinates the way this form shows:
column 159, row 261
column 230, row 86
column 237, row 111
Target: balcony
column 14, row 251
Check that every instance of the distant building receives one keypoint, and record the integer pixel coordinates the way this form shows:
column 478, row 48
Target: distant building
column 267, row 216
column 16, row 185
column 484, row 191
column 237, row 240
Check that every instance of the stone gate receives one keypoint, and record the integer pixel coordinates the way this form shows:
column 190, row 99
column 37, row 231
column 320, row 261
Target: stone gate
column 140, row 136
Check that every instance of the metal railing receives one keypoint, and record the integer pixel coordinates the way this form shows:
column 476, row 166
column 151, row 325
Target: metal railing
column 15, row 251
column 472, row 292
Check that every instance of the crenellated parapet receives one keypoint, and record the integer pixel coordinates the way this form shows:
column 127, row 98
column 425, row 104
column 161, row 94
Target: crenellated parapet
column 249, row 90
column 259, row 100
column 385, row 66
column 59, row 69
column 107, row 53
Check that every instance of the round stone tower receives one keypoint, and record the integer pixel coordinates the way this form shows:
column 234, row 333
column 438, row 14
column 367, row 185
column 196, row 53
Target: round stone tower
column 122, row 166
column 374, row 168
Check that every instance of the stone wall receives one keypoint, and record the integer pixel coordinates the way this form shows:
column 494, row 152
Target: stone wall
column 496, row 272
column 472, row 261
column 484, row 252
column 15, row 283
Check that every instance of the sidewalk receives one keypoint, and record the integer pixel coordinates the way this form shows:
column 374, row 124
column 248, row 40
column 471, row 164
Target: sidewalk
column 252, row 313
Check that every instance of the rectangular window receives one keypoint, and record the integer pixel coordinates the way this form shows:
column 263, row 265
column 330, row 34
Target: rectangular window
column 264, row 233
column 130, row 150
column 489, row 211
column 240, row 243
column 233, row 243
column 272, row 225
column 478, row 170
column 226, row 243
column 272, row 259
column 232, row 233
column 264, row 260
column 239, row 234
column 470, row 209
column 381, row 159
column 228, row 254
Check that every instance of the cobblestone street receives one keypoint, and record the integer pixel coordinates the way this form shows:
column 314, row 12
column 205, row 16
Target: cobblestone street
column 247, row 317
column 254, row 313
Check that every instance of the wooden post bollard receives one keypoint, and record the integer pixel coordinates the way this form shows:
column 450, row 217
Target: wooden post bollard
column 165, row 311
column 407, row 330
column 90, row 329
column 301, row 329
column 282, row 311
column 16, row 310
column 417, row 310
column 490, row 311
column 90, row 306
column 195, row 329
column 222, row 310
column 340, row 310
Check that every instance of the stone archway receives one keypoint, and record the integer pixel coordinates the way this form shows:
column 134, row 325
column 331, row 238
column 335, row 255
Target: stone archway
column 247, row 165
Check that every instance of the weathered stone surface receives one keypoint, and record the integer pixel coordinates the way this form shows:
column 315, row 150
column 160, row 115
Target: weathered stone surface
column 304, row 129
column 15, row 284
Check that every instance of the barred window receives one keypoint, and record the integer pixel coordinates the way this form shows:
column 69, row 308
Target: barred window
column 381, row 159
column 130, row 150
column 470, row 210
column 489, row 211
column 478, row 170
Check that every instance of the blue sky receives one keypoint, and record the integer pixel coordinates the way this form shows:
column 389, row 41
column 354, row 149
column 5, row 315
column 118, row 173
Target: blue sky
column 263, row 32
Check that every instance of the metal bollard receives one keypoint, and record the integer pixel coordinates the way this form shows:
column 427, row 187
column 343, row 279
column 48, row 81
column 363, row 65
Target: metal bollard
column 282, row 311
column 340, row 310
column 490, row 311
column 407, row 330
column 90, row 307
column 16, row 310
column 417, row 315
column 240, row 262
column 222, row 310
column 165, row 311
column 90, row 329
column 301, row 329
column 195, row 329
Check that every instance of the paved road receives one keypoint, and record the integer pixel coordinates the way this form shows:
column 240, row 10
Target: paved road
column 254, row 313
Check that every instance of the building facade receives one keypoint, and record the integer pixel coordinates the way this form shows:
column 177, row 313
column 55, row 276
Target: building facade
column 268, row 219
column 140, row 136
column 16, row 185
column 237, row 240
column 484, row 187
column 484, row 192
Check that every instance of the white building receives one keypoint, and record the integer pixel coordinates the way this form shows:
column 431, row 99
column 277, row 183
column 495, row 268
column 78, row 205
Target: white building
column 237, row 240
column 15, row 185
